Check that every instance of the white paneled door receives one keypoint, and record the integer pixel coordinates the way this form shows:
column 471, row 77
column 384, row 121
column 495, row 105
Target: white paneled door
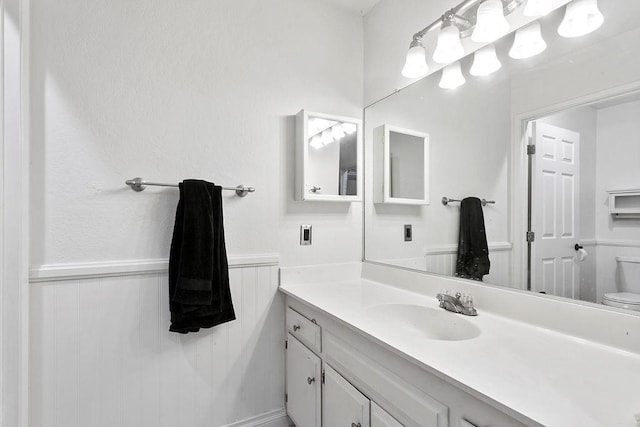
column 555, row 201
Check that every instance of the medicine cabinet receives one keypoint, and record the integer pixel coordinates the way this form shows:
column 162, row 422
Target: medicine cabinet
column 401, row 166
column 328, row 157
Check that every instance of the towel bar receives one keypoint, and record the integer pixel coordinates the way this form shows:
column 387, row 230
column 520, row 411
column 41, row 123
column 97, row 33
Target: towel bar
column 139, row 184
column 445, row 201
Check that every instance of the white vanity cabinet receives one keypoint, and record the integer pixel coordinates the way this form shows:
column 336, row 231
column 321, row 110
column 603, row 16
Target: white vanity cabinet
column 342, row 403
column 381, row 418
column 303, row 370
column 364, row 384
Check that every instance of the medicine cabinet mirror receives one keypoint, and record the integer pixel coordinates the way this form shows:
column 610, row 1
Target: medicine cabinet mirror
column 329, row 157
column 401, row 166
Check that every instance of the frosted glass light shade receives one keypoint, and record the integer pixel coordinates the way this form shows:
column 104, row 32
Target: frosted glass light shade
column 485, row 61
column 528, row 42
column 337, row 132
column 326, row 137
column 449, row 48
column 452, row 76
column 316, row 142
column 491, row 23
column 581, row 17
column 537, row 8
column 416, row 63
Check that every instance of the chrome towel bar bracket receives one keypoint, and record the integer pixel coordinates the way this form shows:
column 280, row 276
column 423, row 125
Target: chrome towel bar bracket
column 139, row 184
column 445, row 201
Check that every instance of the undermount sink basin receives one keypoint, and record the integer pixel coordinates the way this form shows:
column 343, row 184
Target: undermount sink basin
column 417, row 321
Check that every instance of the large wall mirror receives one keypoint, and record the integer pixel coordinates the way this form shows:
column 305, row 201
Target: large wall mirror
column 578, row 103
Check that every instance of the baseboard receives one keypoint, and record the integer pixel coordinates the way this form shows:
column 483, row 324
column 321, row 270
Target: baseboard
column 276, row 418
column 95, row 270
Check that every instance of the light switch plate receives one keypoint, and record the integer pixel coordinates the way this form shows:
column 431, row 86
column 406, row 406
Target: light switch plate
column 305, row 235
column 408, row 233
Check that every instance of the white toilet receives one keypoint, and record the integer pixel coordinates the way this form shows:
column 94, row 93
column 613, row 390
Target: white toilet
column 628, row 285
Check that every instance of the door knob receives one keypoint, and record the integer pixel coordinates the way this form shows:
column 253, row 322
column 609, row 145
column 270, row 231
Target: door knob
column 296, row 327
column 356, row 425
column 310, row 380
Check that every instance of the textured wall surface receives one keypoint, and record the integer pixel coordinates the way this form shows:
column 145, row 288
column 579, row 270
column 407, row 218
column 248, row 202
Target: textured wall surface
column 169, row 90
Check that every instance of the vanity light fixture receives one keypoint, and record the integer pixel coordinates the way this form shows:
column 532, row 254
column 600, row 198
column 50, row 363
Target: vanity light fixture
column 484, row 21
column 449, row 47
column 485, row 61
column 452, row 76
column 491, row 23
column 537, row 8
column 416, row 63
column 581, row 17
column 528, row 42
column 316, row 142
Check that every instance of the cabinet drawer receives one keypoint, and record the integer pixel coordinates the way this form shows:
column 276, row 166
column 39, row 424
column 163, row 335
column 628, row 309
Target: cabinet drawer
column 304, row 329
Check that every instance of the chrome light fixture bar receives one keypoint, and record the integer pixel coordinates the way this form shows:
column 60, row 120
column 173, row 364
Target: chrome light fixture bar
column 456, row 23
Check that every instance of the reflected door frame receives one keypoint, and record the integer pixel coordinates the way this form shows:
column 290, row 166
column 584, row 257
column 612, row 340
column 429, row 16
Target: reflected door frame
column 520, row 214
column 554, row 191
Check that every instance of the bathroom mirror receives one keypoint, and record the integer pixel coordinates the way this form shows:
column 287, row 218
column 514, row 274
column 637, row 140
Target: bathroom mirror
column 329, row 157
column 478, row 135
column 401, row 166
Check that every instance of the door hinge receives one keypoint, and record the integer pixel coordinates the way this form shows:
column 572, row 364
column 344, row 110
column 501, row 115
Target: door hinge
column 531, row 149
column 286, row 398
column 323, row 376
column 531, row 237
column 286, row 344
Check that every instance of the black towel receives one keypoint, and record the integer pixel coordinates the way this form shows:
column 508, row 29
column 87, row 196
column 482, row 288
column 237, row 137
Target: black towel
column 199, row 293
column 473, row 252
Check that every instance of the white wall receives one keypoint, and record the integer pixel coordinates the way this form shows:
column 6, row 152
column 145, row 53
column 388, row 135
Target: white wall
column 168, row 90
column 617, row 157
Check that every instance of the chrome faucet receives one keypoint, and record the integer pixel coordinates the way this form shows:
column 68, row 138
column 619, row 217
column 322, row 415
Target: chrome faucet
column 459, row 303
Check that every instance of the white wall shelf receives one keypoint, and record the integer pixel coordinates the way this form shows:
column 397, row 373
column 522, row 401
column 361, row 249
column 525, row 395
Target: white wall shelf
column 624, row 203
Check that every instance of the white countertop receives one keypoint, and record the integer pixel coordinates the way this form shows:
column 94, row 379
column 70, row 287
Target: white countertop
column 552, row 378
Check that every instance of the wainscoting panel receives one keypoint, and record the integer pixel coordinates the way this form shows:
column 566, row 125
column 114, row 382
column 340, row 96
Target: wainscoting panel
column 102, row 356
column 442, row 260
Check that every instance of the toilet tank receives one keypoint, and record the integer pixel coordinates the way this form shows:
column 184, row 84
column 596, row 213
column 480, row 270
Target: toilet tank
column 629, row 274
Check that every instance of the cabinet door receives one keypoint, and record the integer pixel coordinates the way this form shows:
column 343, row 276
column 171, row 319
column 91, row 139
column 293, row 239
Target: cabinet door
column 303, row 384
column 381, row 418
column 343, row 405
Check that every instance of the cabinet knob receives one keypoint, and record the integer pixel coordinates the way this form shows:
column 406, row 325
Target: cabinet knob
column 296, row 327
column 356, row 425
column 310, row 380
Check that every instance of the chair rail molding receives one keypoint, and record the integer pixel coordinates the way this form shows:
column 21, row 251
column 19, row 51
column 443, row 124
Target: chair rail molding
column 95, row 270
